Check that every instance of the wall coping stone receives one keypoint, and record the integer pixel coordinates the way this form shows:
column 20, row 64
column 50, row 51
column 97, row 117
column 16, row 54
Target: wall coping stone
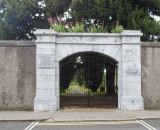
column 131, row 33
column 43, row 32
column 89, row 34
column 12, row 43
column 150, row 44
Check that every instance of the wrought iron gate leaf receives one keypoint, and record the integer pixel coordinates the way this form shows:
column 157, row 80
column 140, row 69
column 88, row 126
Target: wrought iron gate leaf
column 88, row 80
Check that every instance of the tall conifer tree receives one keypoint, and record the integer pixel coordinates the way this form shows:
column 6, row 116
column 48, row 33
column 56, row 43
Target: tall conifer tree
column 131, row 14
column 18, row 18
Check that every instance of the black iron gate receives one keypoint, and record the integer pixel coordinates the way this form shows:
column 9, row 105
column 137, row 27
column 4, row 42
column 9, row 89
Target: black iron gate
column 88, row 80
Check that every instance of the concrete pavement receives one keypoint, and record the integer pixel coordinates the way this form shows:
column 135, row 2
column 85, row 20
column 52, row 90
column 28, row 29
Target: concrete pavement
column 79, row 115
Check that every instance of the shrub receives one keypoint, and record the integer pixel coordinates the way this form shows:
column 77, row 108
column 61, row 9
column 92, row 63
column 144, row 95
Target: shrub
column 118, row 28
column 62, row 26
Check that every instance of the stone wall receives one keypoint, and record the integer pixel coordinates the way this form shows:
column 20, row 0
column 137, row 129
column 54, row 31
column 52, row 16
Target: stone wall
column 52, row 47
column 17, row 75
column 150, row 55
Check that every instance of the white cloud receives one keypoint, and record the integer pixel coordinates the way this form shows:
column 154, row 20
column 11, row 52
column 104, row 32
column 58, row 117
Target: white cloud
column 156, row 18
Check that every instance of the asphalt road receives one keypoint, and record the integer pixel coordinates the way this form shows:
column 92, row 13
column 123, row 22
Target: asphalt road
column 110, row 125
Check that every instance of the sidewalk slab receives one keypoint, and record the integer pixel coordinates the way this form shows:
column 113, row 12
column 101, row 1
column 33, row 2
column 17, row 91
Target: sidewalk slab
column 103, row 115
column 25, row 116
column 72, row 115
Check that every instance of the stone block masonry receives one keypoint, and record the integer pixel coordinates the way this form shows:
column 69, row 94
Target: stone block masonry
column 52, row 47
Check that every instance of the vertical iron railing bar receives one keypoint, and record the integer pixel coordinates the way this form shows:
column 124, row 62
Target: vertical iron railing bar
column 101, row 83
column 84, row 67
column 97, row 82
column 104, row 93
column 98, row 60
column 88, row 80
column 68, row 92
column 86, row 83
column 104, row 82
column 95, row 57
column 95, row 67
column 117, row 85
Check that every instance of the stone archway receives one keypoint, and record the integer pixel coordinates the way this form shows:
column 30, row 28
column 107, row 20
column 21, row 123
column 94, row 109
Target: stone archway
column 65, row 49
column 52, row 47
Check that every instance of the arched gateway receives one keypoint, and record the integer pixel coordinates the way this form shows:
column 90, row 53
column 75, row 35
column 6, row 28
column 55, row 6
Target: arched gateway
column 88, row 79
column 88, row 70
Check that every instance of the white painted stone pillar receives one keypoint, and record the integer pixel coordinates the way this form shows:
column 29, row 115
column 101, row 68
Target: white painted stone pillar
column 45, row 99
column 131, row 71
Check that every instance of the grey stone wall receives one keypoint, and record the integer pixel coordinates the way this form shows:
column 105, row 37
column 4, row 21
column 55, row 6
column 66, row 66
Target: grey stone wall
column 17, row 75
column 150, row 55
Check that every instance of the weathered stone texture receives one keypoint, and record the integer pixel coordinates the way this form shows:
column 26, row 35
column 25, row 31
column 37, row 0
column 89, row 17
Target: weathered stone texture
column 17, row 75
column 123, row 47
column 150, row 55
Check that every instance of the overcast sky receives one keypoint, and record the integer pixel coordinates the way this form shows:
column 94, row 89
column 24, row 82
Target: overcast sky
column 157, row 18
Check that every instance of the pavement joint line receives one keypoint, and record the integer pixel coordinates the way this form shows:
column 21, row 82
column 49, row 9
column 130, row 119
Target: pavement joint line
column 33, row 124
column 146, row 125
column 105, row 120
column 87, row 123
column 53, row 116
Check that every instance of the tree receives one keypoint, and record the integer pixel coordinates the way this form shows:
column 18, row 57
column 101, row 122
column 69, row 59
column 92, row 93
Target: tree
column 89, row 71
column 18, row 18
column 131, row 14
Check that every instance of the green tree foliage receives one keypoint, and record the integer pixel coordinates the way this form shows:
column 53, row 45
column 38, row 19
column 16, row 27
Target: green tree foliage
column 88, row 69
column 18, row 18
column 131, row 14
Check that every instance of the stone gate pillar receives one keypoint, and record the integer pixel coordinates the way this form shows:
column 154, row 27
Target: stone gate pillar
column 45, row 99
column 131, row 71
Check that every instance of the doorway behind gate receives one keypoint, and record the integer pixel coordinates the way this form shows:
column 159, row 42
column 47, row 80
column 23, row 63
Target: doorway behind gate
column 89, row 80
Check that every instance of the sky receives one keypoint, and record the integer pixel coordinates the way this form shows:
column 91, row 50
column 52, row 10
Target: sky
column 157, row 18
